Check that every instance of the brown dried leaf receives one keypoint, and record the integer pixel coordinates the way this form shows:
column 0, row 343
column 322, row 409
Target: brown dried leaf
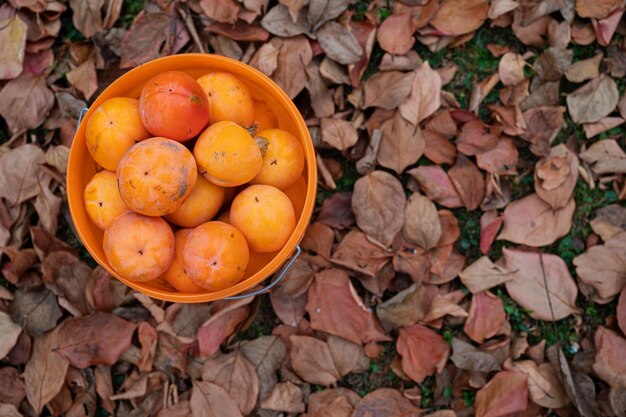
column 531, row 221
column 458, row 17
column 12, row 389
column 501, row 159
column 35, row 309
column 475, row 137
column 220, row 326
column 556, row 176
column 395, row 34
column 506, row 393
column 621, row 311
column 422, row 226
column 468, row 181
column 436, row 184
column 593, row 101
column 66, row 276
column 265, row 353
column 609, row 363
column 608, row 123
column 237, row 376
column 586, row 69
column 385, row 402
column 511, row 69
column 337, row 211
column 285, row 397
column 484, row 274
column 44, row 375
column 407, row 307
column 224, row 11
column 544, row 387
column 486, row 317
column 387, row 89
column 211, row 400
column 425, row 96
column 240, row 31
column 438, row 148
column 278, row 21
column 605, row 157
column 339, row 43
column 312, row 360
column 378, row 203
column 84, row 78
column 358, row 253
column 294, row 56
column 13, row 41
column 339, row 134
column 402, row 144
column 10, row 331
column 335, row 308
column 423, row 351
column 596, row 8
column 265, row 59
column 25, row 102
column 543, row 124
column 609, row 221
column 467, row 357
column 532, row 272
column 99, row 338
column 321, row 97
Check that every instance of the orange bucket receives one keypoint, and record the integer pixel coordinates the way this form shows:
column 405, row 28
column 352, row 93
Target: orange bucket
column 81, row 167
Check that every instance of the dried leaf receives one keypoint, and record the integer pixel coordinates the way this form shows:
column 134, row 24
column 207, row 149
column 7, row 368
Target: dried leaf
column 285, row 397
column 335, row 308
column 44, row 375
column 475, row 137
column 593, row 101
column 395, row 34
column 385, row 402
column 605, row 157
column 321, row 97
column 84, row 78
column 424, row 98
column 609, row 221
column 36, row 310
column 506, row 393
column 212, row 333
column 339, row 134
column 609, row 363
column 278, row 21
column 539, row 278
column 265, row 59
column 407, row 307
column 66, row 276
column 556, row 176
column 402, row 144
column 378, row 203
column 511, row 69
column 422, row 226
column 423, row 351
column 224, row 11
column 339, row 43
column 486, row 317
column 501, row 159
column 13, row 38
column 337, row 211
column 12, row 389
column 544, row 387
column 434, row 181
column 211, row 400
column 531, row 221
column 387, row 90
column 266, row 353
column 596, row 8
column 10, row 332
column 606, row 124
column 484, row 274
column 25, row 102
column 458, row 17
column 438, row 148
column 358, row 253
column 621, row 311
column 312, row 361
column 586, row 69
column 99, row 338
column 468, row 181
column 294, row 56
column 465, row 356
column 240, row 31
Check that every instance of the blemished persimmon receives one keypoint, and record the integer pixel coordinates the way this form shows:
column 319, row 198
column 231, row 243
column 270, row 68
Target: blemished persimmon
column 215, row 255
column 265, row 216
column 227, row 155
column 283, row 160
column 114, row 127
column 102, row 199
column 202, row 205
column 176, row 275
column 263, row 116
column 229, row 98
column 173, row 105
column 139, row 248
column 297, row 195
column 156, row 175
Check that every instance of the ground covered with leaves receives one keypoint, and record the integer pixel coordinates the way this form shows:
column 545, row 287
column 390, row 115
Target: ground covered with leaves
column 467, row 254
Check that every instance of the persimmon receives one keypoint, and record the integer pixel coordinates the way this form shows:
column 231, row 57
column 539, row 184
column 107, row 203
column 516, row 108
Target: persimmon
column 227, row 155
column 297, row 195
column 173, row 105
column 263, row 116
column 224, row 217
column 156, row 175
column 215, row 255
column 229, row 98
column 283, row 160
column 102, row 199
column 139, row 248
column 201, row 206
column 176, row 275
column 114, row 127
column 265, row 216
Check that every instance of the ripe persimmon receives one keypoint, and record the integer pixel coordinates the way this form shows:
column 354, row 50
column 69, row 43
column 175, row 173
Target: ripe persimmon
column 283, row 160
column 215, row 255
column 114, row 127
column 263, row 116
column 176, row 275
column 297, row 195
column 201, row 206
column 139, row 248
column 227, row 155
column 229, row 98
column 156, row 175
column 173, row 105
column 265, row 216
column 102, row 199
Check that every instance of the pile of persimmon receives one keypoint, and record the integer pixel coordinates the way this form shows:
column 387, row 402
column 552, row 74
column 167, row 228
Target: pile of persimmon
column 197, row 183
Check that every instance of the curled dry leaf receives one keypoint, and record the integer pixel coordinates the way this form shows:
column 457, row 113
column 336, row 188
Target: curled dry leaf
column 542, row 284
column 99, row 338
column 339, row 43
column 425, row 96
column 511, row 68
column 593, row 101
column 531, row 221
column 387, row 89
column 402, row 144
column 378, row 203
column 422, row 226
column 544, row 386
column 339, row 134
column 358, row 253
column 466, row 356
column 506, row 393
column 435, row 182
column 490, row 223
column 395, row 35
column 468, row 182
column 25, row 102
column 365, row 33
column 312, row 360
column 423, row 351
column 543, row 123
column 407, row 307
column 334, row 307
column 609, row 363
column 556, row 176
column 486, row 317
column 458, row 17
column 605, row 157
column 385, row 402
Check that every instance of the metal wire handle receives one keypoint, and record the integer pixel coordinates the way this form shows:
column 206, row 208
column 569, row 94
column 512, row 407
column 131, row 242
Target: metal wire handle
column 275, row 281
column 83, row 111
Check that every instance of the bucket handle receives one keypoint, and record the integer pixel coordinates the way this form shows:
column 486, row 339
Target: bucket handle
column 275, row 281
column 83, row 111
